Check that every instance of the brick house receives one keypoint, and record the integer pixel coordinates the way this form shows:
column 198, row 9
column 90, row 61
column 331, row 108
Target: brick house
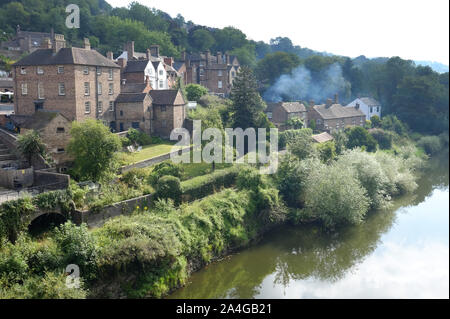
column 78, row 82
column 215, row 72
column 26, row 41
column 168, row 111
column 281, row 112
column 332, row 116
column 133, row 110
column 53, row 128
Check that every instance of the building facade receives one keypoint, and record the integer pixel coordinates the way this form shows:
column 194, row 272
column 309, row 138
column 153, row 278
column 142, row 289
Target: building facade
column 369, row 106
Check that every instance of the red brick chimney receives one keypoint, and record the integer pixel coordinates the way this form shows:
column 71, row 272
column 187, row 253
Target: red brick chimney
column 168, row 61
column 129, row 47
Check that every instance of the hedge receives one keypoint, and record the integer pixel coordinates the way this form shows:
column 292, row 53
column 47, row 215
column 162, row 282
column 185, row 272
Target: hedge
column 205, row 185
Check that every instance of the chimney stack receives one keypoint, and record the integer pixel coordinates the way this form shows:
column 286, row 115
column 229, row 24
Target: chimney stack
column 227, row 58
column 149, row 54
column 207, row 55
column 129, row 47
column 183, row 55
column 58, row 43
column 87, row 44
column 329, row 103
column 336, row 98
column 357, row 106
column 46, row 43
column 219, row 58
column 168, row 61
column 154, row 50
column 110, row 55
column 122, row 63
column 312, row 103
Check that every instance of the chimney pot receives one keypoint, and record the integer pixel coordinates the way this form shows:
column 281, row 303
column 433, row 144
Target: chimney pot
column 154, row 50
column 110, row 55
column 58, row 43
column 336, row 98
column 87, row 44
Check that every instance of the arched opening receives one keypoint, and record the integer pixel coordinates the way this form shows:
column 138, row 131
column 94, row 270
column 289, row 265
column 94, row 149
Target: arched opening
column 45, row 223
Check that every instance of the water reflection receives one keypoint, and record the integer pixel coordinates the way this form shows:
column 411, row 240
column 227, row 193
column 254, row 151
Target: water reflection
column 398, row 253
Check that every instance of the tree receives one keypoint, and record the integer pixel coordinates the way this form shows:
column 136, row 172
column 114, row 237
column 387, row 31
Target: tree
column 383, row 138
column 376, row 121
column 359, row 137
column 303, row 144
column 201, row 40
column 327, row 151
column 229, row 38
column 195, row 91
column 248, row 105
column 273, row 65
column 30, row 145
column 93, row 147
column 295, row 123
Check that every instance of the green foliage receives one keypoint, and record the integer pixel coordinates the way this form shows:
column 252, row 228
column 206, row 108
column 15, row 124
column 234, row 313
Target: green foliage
column 392, row 123
column 327, row 151
column 14, row 216
column 30, row 144
column 273, row 65
column 138, row 137
column 169, row 187
column 93, row 147
column 295, row 123
column 134, row 178
column 430, row 144
column 359, row 137
column 201, row 40
column 301, row 144
column 164, row 169
column 383, row 138
column 195, row 91
column 376, row 121
column 340, row 141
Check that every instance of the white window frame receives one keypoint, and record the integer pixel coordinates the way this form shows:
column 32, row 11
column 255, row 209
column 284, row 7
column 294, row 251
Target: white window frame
column 99, row 71
column 161, row 72
column 111, row 89
column 219, row 73
column 24, row 87
column 111, row 106
column 87, row 107
column 61, row 89
column 87, row 88
column 100, row 107
column 23, row 70
column 41, row 92
column 161, row 84
column 86, row 70
column 220, row 84
column 110, row 74
column 99, row 88
column 39, row 70
column 60, row 70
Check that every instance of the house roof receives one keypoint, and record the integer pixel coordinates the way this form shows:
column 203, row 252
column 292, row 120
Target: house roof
column 370, row 101
column 133, row 88
column 177, row 65
column 165, row 97
column 322, row 137
column 270, row 106
column 136, row 66
column 131, row 97
column 156, row 64
column 66, row 56
column 293, row 107
column 37, row 121
column 337, row 111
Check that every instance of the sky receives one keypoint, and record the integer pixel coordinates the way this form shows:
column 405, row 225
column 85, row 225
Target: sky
column 411, row 29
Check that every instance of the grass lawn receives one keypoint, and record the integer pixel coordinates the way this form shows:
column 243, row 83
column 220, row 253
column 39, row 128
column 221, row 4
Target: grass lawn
column 147, row 152
column 198, row 169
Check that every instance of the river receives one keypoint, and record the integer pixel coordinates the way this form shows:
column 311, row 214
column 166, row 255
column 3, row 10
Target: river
column 402, row 252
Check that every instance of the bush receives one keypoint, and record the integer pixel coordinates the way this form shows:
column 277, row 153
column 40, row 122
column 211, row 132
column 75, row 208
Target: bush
column 327, row 151
column 205, row 185
column 169, row 187
column 138, row 137
column 195, row 91
column 430, row 144
column 383, row 138
column 289, row 136
column 134, row 178
column 359, row 137
column 164, row 169
column 392, row 123
column 301, row 144
column 248, row 179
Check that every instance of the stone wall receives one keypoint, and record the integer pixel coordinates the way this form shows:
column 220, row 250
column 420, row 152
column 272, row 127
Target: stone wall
column 24, row 177
column 42, row 178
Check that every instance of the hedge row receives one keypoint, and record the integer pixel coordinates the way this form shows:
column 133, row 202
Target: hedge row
column 205, row 185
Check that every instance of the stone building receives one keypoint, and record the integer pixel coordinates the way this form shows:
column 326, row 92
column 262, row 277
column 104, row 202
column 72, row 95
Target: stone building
column 133, row 110
column 168, row 111
column 80, row 83
column 280, row 113
column 215, row 72
column 26, row 41
column 332, row 116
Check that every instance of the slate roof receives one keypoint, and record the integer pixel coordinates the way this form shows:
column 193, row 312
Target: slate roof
column 293, row 107
column 37, row 121
column 131, row 97
column 337, row 111
column 136, row 66
column 177, row 65
column 164, row 97
column 133, row 88
column 322, row 137
column 66, row 56
column 370, row 101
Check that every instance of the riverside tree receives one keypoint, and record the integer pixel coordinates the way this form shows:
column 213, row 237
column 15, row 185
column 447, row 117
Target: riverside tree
column 30, row 145
column 93, row 147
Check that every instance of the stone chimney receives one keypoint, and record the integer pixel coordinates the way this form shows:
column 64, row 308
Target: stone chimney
column 312, row 103
column 58, row 43
column 46, row 43
column 129, row 47
column 329, row 103
column 219, row 58
column 227, row 58
column 207, row 57
column 148, row 54
column 87, row 44
column 336, row 98
column 357, row 106
column 168, row 61
column 109, row 55
column 154, row 50
column 122, row 63
column 183, row 55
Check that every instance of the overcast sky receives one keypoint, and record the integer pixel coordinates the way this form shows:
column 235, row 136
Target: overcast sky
column 411, row 29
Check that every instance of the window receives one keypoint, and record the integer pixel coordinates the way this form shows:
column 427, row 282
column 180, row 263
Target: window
column 233, row 74
column 202, row 71
column 60, row 130
column 161, row 84
column 121, row 113
column 40, row 70
column 219, row 73
column 371, row 109
column 86, row 70
column 40, row 91
column 269, row 115
column 164, row 123
column 60, row 150
column 111, row 89
column 23, row 71
column 111, row 106
column 378, row 109
column 87, row 107
column 60, row 69
column 100, row 107
column 99, row 88
column 61, row 89
column 135, row 125
column 110, row 74
column 24, row 88
column 99, row 71
column 163, row 108
column 219, row 84
column 87, row 88
column 161, row 72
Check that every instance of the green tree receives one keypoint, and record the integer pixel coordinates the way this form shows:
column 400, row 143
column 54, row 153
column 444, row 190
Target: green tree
column 93, row 147
column 195, row 91
column 30, row 145
column 359, row 137
column 273, row 65
column 376, row 121
column 327, row 151
column 201, row 40
column 303, row 144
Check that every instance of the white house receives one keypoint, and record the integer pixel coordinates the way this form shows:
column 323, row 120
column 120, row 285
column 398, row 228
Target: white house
column 368, row 106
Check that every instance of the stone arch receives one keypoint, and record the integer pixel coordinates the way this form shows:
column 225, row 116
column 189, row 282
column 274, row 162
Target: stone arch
column 45, row 220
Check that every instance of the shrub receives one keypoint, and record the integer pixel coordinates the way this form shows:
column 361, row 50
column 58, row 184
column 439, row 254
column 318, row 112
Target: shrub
column 289, row 136
column 164, row 169
column 169, row 187
column 430, row 144
column 248, row 179
column 359, row 137
column 30, row 144
column 195, row 91
column 205, row 185
column 392, row 123
column 376, row 121
column 301, row 144
column 383, row 138
column 14, row 216
column 327, row 151
column 138, row 137
column 134, row 178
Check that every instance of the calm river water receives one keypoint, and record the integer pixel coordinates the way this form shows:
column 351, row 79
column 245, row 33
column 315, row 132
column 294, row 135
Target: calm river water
column 399, row 253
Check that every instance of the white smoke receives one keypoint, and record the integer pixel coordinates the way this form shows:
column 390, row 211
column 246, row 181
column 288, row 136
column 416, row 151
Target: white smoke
column 302, row 85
